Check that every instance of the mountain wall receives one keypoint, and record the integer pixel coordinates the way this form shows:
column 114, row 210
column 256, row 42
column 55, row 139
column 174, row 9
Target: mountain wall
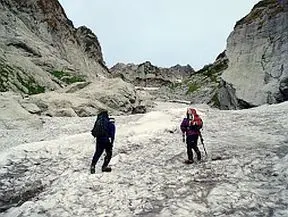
column 148, row 75
column 257, row 50
column 41, row 50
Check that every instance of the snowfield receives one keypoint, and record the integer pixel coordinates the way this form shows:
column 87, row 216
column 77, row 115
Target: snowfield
column 45, row 171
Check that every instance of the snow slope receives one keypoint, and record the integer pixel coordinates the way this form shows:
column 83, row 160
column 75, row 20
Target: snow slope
column 245, row 173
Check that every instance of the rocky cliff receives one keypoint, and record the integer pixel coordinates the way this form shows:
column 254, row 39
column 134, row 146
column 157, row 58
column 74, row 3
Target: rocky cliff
column 40, row 49
column 257, row 50
column 148, row 75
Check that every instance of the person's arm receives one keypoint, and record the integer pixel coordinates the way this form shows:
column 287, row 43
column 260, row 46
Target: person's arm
column 183, row 126
column 112, row 130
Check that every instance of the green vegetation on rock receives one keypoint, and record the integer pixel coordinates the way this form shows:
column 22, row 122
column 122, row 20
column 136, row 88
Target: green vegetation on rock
column 4, row 72
column 16, row 77
column 30, row 84
column 212, row 70
column 260, row 10
column 192, row 87
column 67, row 78
column 173, row 86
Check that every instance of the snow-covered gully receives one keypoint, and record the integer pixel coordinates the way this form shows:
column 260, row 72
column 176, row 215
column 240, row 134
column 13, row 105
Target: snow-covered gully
column 245, row 173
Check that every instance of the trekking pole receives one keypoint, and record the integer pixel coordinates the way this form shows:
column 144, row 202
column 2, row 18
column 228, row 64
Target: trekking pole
column 202, row 141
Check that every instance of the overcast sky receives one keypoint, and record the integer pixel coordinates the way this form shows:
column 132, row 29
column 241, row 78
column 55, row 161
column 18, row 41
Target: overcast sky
column 165, row 32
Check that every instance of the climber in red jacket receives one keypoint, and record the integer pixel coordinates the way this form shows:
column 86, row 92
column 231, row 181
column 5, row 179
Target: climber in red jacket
column 190, row 127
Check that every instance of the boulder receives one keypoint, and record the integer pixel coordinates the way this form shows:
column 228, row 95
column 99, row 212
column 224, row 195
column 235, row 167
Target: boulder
column 13, row 116
column 86, row 99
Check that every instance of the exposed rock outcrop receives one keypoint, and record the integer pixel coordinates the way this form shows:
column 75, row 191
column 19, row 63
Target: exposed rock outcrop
column 148, row 75
column 11, row 109
column 202, row 87
column 40, row 49
column 86, row 98
column 257, row 50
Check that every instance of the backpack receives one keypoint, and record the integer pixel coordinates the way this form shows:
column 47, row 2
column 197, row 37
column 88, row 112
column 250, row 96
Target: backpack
column 100, row 128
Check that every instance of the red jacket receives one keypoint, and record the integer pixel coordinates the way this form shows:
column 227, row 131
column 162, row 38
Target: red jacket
column 191, row 125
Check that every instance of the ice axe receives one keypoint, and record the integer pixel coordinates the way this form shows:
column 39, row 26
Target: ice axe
column 202, row 141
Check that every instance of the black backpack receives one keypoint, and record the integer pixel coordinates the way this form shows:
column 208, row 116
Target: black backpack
column 100, row 128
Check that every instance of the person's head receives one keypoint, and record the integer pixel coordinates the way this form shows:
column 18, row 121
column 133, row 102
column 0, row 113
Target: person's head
column 191, row 113
column 103, row 113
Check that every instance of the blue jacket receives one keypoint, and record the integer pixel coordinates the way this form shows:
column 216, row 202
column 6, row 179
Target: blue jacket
column 111, row 133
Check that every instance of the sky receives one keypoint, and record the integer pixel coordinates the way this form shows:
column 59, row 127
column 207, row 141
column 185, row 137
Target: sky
column 164, row 32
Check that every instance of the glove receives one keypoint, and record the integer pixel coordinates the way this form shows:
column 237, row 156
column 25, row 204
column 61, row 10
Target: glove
column 183, row 138
column 111, row 141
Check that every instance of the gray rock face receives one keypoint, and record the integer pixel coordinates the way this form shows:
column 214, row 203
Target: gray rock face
column 86, row 99
column 40, row 49
column 13, row 115
column 284, row 88
column 257, row 50
column 146, row 74
column 202, row 87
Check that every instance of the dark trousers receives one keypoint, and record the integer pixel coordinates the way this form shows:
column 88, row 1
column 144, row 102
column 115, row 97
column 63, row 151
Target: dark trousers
column 191, row 142
column 100, row 147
